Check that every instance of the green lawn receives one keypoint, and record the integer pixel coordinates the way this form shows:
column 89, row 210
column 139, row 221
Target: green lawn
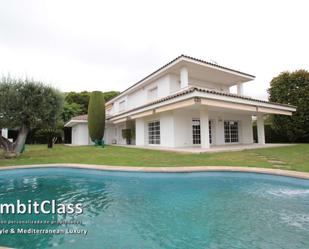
column 293, row 157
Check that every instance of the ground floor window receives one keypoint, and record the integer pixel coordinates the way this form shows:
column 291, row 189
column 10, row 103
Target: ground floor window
column 210, row 132
column 154, row 132
column 231, row 131
column 196, row 131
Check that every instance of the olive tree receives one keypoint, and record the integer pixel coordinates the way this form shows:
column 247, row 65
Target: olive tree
column 24, row 105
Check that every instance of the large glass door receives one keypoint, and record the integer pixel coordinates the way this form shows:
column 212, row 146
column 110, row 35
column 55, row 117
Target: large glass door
column 196, row 131
column 231, row 131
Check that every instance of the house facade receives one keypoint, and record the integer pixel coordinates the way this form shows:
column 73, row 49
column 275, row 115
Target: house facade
column 185, row 103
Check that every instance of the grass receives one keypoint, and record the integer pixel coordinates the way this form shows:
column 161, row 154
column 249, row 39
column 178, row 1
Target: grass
column 294, row 157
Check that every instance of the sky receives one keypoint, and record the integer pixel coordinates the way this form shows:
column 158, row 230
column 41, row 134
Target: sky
column 78, row 45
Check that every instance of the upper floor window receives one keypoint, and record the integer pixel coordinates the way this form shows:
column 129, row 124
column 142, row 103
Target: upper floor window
column 122, row 105
column 153, row 94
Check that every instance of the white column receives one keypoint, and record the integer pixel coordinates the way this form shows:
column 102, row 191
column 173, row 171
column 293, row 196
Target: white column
column 220, row 131
column 204, row 129
column 167, row 129
column 184, row 77
column 260, row 129
column 140, row 132
column 240, row 89
column 4, row 132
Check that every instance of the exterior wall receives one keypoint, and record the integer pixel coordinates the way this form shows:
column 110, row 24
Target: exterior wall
column 80, row 135
column 176, row 128
column 167, row 131
column 137, row 98
column 260, row 129
column 165, row 86
column 183, row 120
column 140, row 132
column 116, row 106
column 142, row 129
column 174, row 83
column 110, row 134
column 113, row 134
column 245, row 132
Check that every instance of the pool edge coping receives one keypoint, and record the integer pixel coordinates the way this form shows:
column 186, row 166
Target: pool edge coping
column 174, row 169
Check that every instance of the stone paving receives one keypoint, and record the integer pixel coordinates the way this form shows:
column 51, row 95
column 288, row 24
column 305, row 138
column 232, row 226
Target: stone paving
column 275, row 162
column 186, row 169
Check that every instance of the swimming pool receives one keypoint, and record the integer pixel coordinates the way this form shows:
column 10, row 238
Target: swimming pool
column 160, row 210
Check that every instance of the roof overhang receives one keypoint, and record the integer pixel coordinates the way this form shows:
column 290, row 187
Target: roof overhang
column 73, row 122
column 210, row 73
column 197, row 98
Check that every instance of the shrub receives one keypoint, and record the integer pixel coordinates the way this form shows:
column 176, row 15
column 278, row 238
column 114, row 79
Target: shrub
column 96, row 116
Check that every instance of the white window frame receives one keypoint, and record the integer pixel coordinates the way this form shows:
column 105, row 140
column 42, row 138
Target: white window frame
column 210, row 128
column 196, row 131
column 231, row 136
column 154, row 132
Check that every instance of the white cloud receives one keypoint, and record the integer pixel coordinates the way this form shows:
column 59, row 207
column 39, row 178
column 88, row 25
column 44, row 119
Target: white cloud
column 109, row 45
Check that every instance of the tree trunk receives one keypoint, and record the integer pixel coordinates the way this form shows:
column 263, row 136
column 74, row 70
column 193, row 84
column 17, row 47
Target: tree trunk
column 14, row 149
column 50, row 143
column 21, row 139
column 6, row 144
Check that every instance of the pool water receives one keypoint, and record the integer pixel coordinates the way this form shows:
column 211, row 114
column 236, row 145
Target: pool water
column 125, row 210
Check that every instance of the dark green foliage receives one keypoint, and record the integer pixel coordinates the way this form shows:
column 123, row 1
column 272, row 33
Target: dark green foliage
column 271, row 135
column 71, row 110
column 50, row 135
column 292, row 88
column 28, row 102
column 82, row 99
column 109, row 95
column 96, row 116
column 25, row 105
column 128, row 135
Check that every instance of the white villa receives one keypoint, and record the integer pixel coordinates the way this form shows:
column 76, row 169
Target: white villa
column 186, row 103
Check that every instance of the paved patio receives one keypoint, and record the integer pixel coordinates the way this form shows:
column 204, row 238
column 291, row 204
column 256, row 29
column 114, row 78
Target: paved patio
column 212, row 149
